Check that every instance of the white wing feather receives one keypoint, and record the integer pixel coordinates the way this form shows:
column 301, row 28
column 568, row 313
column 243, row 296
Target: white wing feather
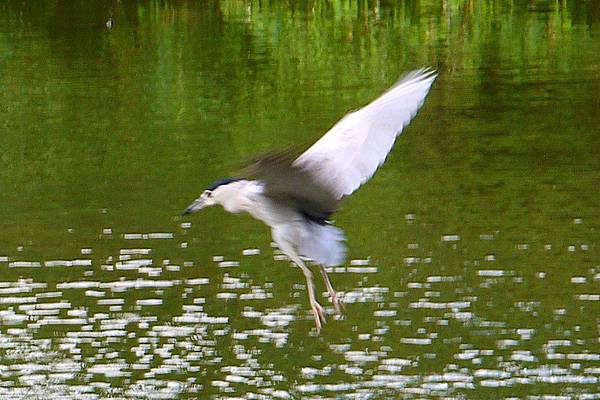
column 350, row 152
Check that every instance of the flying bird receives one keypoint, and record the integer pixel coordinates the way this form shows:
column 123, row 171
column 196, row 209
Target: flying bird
column 296, row 196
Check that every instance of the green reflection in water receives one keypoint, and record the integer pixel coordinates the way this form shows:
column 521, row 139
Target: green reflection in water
column 120, row 128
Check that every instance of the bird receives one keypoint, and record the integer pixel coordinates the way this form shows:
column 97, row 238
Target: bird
column 297, row 196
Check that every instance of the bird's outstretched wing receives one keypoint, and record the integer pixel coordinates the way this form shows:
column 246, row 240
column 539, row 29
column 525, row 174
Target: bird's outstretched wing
column 292, row 186
column 350, row 152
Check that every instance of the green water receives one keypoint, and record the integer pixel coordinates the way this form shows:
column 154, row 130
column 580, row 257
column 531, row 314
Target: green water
column 473, row 269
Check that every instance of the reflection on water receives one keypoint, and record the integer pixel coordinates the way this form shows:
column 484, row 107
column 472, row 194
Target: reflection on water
column 474, row 268
column 102, row 333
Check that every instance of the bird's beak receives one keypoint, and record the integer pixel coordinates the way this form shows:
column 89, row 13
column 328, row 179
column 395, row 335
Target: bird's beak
column 197, row 205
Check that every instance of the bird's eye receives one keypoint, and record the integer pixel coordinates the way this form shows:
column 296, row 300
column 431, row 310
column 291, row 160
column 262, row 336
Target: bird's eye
column 208, row 193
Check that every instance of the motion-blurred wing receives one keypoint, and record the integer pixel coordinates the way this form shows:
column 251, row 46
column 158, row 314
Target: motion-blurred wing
column 350, row 153
column 293, row 186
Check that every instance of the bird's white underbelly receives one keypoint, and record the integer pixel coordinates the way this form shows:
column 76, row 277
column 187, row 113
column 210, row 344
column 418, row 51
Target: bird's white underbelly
column 271, row 213
column 295, row 235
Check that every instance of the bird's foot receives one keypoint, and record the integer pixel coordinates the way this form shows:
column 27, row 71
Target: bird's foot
column 338, row 304
column 319, row 314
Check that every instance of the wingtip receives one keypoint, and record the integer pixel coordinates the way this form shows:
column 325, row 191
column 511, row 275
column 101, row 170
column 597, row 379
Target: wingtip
column 423, row 73
column 416, row 76
column 430, row 72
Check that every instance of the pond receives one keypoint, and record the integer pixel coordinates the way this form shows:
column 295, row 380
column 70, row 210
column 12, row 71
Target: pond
column 474, row 263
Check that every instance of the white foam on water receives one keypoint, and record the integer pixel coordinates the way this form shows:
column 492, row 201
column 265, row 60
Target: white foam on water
column 250, row 252
column 226, row 295
column 416, row 341
column 588, row 297
column 450, row 238
column 78, row 285
column 362, row 270
column 228, row 264
column 149, row 302
column 24, row 264
column 197, row 281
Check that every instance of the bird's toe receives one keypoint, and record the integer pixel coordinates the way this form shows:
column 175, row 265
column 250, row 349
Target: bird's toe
column 319, row 314
column 338, row 304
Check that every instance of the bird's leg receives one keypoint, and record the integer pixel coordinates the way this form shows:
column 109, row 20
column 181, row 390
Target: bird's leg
column 288, row 249
column 337, row 303
column 317, row 309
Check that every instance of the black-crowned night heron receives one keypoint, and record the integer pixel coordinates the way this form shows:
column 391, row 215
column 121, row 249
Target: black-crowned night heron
column 295, row 197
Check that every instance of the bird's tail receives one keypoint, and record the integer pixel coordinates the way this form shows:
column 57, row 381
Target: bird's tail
column 324, row 244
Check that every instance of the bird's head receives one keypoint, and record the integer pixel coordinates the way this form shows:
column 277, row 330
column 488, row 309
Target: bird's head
column 216, row 193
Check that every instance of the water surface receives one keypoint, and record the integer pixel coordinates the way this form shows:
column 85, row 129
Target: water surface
column 473, row 267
